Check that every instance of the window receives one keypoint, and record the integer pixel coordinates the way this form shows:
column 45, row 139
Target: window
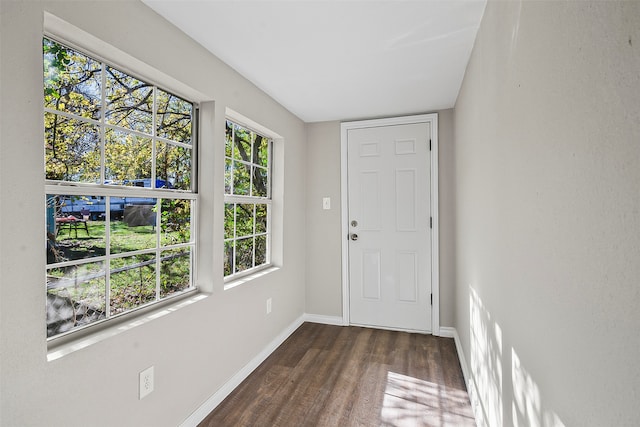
column 120, row 199
column 247, row 200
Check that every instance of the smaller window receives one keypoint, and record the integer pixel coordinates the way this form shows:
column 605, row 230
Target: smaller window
column 247, row 225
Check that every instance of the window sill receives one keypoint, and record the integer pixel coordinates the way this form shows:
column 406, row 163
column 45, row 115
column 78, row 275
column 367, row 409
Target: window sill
column 237, row 281
column 74, row 343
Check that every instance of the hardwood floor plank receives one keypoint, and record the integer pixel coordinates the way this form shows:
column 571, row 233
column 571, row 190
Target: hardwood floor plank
column 458, row 410
column 369, row 397
column 325, row 375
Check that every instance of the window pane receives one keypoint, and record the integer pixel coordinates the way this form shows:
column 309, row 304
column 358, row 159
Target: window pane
column 261, row 218
column 242, row 144
column 133, row 282
column 173, row 117
column 229, row 220
column 175, row 221
column 244, row 254
column 127, row 157
column 72, row 149
column 228, row 146
column 73, row 232
column 261, row 250
column 228, row 175
column 136, row 229
column 75, row 296
column 129, row 101
column 260, row 182
column 244, row 219
column 241, row 179
column 71, row 81
column 175, row 271
column 228, row 257
column 173, row 166
column 261, row 151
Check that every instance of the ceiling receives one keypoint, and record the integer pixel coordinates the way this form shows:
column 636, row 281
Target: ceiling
column 339, row 59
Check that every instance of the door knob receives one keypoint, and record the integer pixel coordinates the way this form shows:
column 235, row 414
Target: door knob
column 354, row 236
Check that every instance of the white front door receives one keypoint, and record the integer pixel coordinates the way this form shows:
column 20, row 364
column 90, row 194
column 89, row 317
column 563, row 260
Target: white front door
column 388, row 173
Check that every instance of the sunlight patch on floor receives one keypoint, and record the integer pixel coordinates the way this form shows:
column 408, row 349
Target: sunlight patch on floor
column 411, row 402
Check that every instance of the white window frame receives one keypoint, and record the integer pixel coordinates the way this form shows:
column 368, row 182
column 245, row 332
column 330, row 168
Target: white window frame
column 239, row 120
column 61, row 32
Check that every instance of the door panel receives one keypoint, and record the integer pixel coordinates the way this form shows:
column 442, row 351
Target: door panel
column 369, row 201
column 406, row 194
column 371, row 275
column 389, row 212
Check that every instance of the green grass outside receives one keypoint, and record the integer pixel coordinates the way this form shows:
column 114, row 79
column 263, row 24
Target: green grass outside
column 132, row 279
column 123, row 239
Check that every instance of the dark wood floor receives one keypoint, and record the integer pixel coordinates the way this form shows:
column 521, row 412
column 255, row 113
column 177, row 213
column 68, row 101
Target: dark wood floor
column 348, row 376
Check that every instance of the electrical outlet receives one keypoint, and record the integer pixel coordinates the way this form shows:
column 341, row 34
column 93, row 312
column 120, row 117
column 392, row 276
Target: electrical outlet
column 146, row 382
column 268, row 305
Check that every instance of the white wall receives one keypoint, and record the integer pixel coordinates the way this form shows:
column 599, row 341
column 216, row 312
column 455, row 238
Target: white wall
column 547, row 150
column 194, row 349
column 324, row 259
column 446, row 216
column 324, row 281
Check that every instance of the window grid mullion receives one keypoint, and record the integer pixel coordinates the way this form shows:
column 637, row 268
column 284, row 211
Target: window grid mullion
column 247, row 199
column 170, row 141
column 195, row 155
column 154, row 181
column 269, row 168
column 72, row 116
column 268, row 248
column 233, row 164
column 107, row 238
column 116, row 190
column 253, row 261
column 250, row 162
column 153, row 138
column 103, row 120
column 235, row 236
column 102, row 123
column 158, row 251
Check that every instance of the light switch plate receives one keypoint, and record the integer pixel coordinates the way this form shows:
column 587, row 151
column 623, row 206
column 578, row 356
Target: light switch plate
column 326, row 203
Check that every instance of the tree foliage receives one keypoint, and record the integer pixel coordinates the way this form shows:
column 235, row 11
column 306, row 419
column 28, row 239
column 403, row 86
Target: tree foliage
column 104, row 126
column 81, row 93
column 247, row 157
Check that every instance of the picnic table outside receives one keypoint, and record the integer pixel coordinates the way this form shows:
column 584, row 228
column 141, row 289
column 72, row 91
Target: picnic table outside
column 72, row 223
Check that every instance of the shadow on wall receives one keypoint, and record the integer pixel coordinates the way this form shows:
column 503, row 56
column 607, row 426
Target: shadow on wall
column 491, row 372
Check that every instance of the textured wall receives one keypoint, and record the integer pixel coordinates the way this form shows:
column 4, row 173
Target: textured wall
column 446, row 202
column 194, row 349
column 324, row 252
column 547, row 134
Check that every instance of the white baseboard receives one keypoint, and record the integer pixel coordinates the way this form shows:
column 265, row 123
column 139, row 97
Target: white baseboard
column 199, row 414
column 468, row 379
column 447, row 332
column 327, row 320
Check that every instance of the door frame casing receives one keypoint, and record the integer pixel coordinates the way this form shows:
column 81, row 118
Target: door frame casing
column 432, row 119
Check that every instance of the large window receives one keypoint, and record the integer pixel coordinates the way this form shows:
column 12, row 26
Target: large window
column 247, row 200
column 120, row 197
